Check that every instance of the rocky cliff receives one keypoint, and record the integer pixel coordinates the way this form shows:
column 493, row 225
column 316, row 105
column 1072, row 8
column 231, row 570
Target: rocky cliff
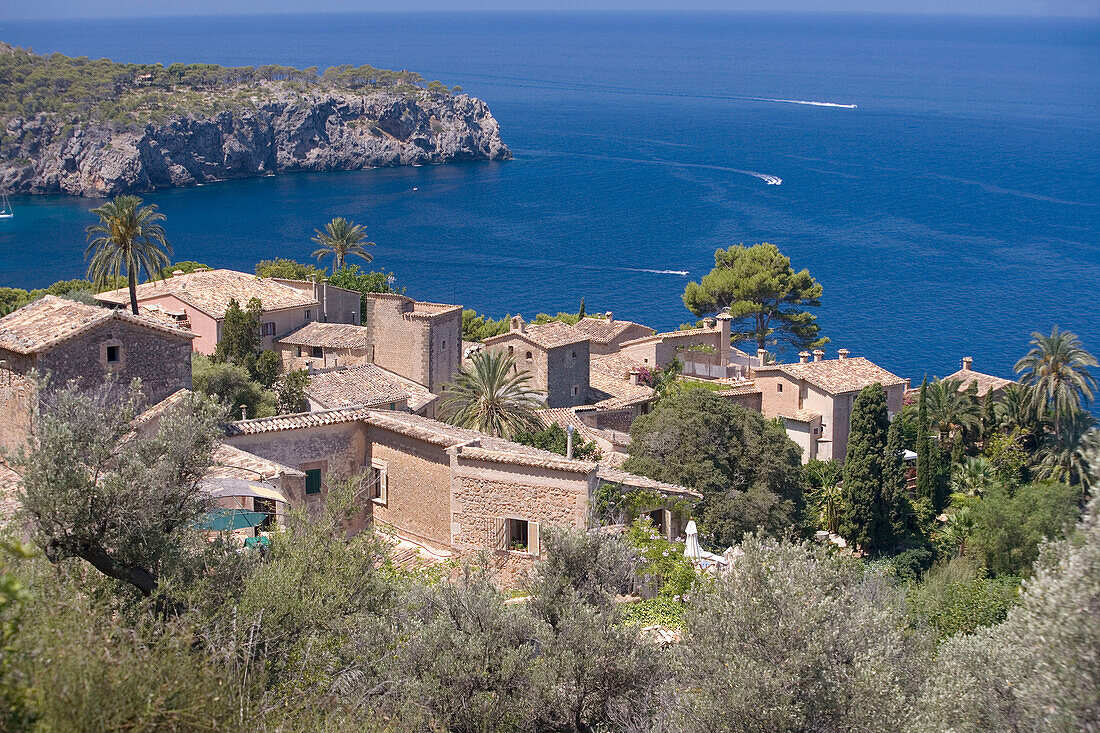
column 317, row 131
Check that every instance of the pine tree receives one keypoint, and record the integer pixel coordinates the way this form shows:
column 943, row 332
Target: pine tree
column 895, row 490
column 864, row 522
column 925, row 470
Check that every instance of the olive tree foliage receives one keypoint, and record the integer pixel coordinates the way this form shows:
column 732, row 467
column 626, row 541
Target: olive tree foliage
column 796, row 637
column 1040, row 669
column 748, row 470
column 124, row 502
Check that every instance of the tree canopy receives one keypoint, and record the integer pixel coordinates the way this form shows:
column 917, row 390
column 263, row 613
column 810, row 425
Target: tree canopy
column 746, row 467
column 767, row 299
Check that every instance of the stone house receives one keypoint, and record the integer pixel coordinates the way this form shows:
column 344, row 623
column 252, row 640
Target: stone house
column 606, row 335
column 325, row 345
column 368, row 385
column 456, row 492
column 420, row 341
column 337, row 305
column 985, row 383
column 705, row 352
column 556, row 354
column 66, row 340
column 815, row 398
column 202, row 298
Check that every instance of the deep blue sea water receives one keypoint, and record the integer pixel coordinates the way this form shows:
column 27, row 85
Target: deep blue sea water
column 952, row 212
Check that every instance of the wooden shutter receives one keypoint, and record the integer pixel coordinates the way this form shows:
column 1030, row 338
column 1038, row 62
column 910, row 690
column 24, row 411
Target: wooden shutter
column 500, row 533
column 383, row 485
column 533, row 538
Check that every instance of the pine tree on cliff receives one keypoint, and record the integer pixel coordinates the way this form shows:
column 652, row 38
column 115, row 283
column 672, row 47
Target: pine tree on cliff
column 865, row 522
column 128, row 238
column 895, row 489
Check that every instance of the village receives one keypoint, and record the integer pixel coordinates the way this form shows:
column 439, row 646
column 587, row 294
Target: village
column 373, row 393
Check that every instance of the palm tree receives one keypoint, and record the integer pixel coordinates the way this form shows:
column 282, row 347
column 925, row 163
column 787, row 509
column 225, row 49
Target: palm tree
column 1016, row 408
column 825, row 495
column 954, row 411
column 128, row 237
column 973, row 476
column 489, row 396
column 1057, row 367
column 956, row 532
column 340, row 239
column 1072, row 456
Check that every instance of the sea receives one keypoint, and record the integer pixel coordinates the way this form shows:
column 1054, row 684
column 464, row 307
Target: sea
column 939, row 176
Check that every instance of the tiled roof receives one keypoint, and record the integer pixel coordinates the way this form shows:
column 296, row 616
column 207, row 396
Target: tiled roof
column 545, row 335
column 295, row 421
column 614, row 475
column 603, row 330
column 232, row 462
column 416, row 308
column 565, row 416
column 609, row 376
column 155, row 412
column 364, row 384
column 211, row 291
column 838, row 376
column 732, row 389
column 48, row 321
column 329, row 335
column 693, row 332
column 802, row 415
column 986, row 382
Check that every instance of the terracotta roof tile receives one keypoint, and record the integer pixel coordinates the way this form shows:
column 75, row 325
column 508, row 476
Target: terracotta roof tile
column 295, row 421
column 211, row 291
column 48, row 321
column 609, row 379
column 604, row 331
column 366, row 385
column 838, row 376
column 986, row 382
column 232, row 462
column 615, row 475
column 329, row 335
column 544, row 335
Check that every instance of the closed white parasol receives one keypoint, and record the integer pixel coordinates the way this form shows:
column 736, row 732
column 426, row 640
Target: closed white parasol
column 692, row 551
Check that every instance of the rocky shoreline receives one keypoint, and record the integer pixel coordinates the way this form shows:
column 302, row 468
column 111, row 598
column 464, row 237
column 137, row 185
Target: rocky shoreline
column 319, row 131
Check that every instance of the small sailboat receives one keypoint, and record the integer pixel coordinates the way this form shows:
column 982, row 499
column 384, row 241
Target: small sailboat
column 6, row 212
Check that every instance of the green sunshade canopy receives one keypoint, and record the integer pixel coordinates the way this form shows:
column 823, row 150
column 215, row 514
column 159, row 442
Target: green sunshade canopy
column 222, row 520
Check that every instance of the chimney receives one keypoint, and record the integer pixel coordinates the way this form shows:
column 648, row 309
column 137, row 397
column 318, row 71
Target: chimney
column 177, row 273
column 968, row 363
column 609, row 316
column 818, row 353
column 634, row 377
column 708, row 323
column 762, row 357
column 569, row 441
column 724, row 321
column 518, row 325
column 803, row 357
column 842, row 354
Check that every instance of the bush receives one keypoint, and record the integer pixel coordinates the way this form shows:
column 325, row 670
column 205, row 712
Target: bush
column 957, row 598
column 1010, row 526
column 231, row 386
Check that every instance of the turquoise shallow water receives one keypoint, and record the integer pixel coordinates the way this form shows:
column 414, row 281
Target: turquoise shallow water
column 952, row 211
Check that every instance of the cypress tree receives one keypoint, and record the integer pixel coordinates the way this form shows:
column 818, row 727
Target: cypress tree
column 864, row 523
column 580, row 312
column 925, row 465
column 895, row 493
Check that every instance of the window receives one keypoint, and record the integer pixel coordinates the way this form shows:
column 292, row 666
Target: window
column 265, row 506
column 517, row 535
column 378, row 489
column 114, row 354
column 576, row 390
column 444, row 345
column 313, row 481
column 779, row 387
column 268, row 329
column 574, row 354
column 530, row 356
column 317, row 352
column 309, row 315
column 111, row 356
column 511, row 351
column 299, row 352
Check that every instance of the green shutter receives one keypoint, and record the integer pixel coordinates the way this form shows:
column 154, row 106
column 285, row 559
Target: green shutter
column 313, row 481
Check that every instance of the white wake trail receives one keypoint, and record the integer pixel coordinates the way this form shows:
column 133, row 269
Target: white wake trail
column 805, row 101
column 657, row 272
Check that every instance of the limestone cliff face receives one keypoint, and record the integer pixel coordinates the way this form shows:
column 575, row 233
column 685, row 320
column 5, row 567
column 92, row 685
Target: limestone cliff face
column 323, row 131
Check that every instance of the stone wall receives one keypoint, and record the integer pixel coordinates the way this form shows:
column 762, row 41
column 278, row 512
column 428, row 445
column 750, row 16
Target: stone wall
column 420, row 346
column 18, row 399
column 338, row 450
column 567, row 375
column 330, row 357
column 418, row 487
column 162, row 362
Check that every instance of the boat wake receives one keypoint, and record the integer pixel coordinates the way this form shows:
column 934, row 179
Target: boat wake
column 658, row 272
column 765, row 177
column 805, row 101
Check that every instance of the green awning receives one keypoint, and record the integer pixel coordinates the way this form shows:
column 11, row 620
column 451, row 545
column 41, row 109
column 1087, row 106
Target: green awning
column 222, row 520
column 257, row 542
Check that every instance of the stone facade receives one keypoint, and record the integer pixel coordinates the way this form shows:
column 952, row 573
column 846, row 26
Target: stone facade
column 337, row 305
column 419, row 341
column 559, row 365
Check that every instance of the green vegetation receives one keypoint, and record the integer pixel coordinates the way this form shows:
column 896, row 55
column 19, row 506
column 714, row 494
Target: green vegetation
column 132, row 621
column 365, row 282
column 340, row 239
column 767, row 299
column 747, row 469
column 128, row 238
column 554, row 439
column 125, row 95
column 290, row 270
column 479, row 328
column 491, row 396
